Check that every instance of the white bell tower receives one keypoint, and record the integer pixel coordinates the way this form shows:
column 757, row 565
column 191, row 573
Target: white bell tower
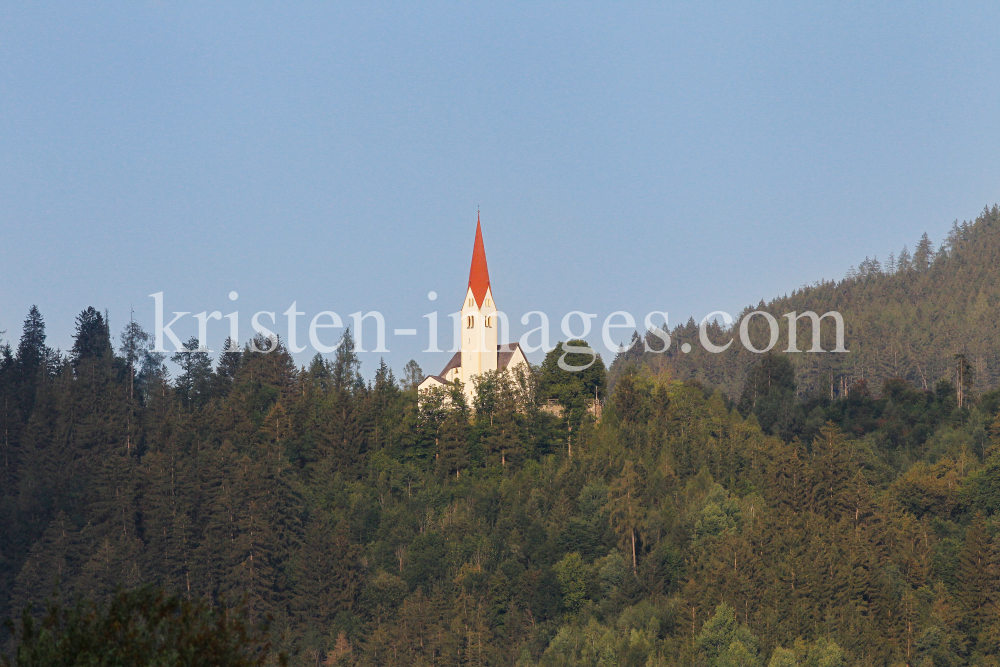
column 479, row 319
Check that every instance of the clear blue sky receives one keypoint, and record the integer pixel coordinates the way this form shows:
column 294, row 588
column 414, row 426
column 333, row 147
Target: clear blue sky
column 633, row 157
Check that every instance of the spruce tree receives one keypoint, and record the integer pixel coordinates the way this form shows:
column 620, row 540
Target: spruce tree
column 194, row 384
column 92, row 338
column 904, row 262
column 503, row 437
column 226, row 368
column 32, row 355
column 769, row 394
column 325, row 573
column 625, row 500
column 50, row 566
column 977, row 577
column 453, row 440
column 924, row 254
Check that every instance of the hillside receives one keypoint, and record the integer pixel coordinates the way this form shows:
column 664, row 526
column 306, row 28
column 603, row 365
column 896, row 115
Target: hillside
column 683, row 527
column 906, row 318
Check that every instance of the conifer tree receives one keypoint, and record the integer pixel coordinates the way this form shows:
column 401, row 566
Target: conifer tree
column 50, row 565
column 345, row 374
column 453, row 439
column 46, row 457
column 625, row 500
column 32, row 355
column 830, row 495
column 170, row 495
column 253, row 530
column 630, row 402
column 10, row 463
column 924, row 254
column 326, row 573
column 890, row 264
column 769, row 394
column 904, row 262
column 347, row 420
column 134, row 341
column 574, row 379
column 503, row 439
column 964, row 379
column 226, row 369
column 977, row 576
column 194, row 384
column 92, row 338
column 425, row 423
column 382, row 402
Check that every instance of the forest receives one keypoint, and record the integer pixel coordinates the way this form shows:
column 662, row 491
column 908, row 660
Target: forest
column 906, row 317
column 769, row 510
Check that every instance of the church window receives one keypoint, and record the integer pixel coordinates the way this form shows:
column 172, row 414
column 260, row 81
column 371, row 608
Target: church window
column 469, row 321
column 489, row 322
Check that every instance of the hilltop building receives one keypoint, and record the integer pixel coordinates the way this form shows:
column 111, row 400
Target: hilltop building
column 479, row 351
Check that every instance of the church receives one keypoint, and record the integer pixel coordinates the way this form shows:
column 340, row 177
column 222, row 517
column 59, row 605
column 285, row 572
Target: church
column 479, row 351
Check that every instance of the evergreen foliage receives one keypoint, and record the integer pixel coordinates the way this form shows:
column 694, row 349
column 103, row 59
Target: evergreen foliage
column 688, row 521
column 139, row 627
column 906, row 319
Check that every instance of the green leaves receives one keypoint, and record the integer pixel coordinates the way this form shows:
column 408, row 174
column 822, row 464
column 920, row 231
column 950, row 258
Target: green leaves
column 572, row 574
column 724, row 642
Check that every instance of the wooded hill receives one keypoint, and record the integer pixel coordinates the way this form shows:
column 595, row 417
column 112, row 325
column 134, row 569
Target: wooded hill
column 763, row 525
column 905, row 318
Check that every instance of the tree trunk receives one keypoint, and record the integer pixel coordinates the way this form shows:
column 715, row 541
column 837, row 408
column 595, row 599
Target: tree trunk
column 634, row 569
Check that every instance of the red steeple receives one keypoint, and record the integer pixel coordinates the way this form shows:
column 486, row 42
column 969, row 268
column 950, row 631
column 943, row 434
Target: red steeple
column 479, row 275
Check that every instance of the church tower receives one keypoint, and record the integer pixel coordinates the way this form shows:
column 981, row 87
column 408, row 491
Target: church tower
column 478, row 349
column 479, row 318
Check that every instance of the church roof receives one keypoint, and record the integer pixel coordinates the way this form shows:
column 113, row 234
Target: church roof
column 479, row 274
column 505, row 355
column 455, row 362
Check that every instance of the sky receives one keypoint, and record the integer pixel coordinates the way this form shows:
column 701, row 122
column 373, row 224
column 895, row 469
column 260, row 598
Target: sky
column 630, row 157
